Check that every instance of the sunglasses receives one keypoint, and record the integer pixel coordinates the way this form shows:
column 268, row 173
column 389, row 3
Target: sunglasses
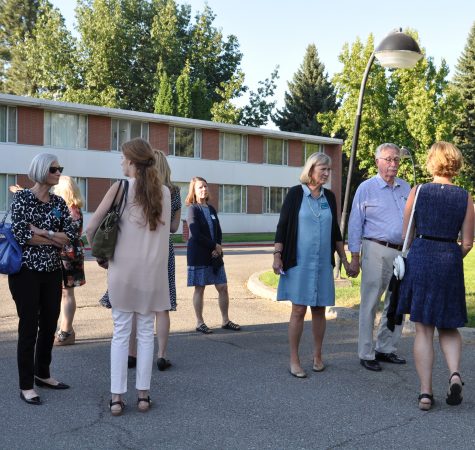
column 54, row 169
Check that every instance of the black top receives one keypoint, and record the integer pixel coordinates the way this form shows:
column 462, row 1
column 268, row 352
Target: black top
column 287, row 228
column 200, row 242
column 53, row 215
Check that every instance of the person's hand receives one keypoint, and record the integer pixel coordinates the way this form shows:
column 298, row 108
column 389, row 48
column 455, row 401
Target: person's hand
column 218, row 251
column 277, row 265
column 354, row 267
column 346, row 265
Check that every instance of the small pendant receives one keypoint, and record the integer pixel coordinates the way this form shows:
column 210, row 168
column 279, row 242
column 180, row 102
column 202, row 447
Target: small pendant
column 442, row 187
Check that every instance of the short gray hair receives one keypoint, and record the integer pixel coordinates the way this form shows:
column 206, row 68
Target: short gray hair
column 381, row 147
column 39, row 167
column 315, row 159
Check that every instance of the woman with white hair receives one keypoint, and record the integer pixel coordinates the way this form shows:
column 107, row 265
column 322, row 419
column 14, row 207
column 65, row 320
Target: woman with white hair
column 41, row 225
column 306, row 239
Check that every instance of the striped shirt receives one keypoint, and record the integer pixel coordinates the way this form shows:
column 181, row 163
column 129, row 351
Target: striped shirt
column 377, row 212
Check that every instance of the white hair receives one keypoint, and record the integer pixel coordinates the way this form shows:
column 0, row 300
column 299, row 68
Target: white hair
column 381, row 147
column 39, row 167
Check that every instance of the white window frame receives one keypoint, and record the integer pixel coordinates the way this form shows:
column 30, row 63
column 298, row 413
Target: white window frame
column 6, row 196
column 48, row 138
column 9, row 112
column 84, row 192
column 197, row 140
column 284, row 155
column 117, row 122
column 267, row 198
column 243, row 199
column 243, row 146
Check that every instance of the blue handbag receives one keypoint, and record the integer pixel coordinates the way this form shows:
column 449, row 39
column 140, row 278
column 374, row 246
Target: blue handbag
column 10, row 250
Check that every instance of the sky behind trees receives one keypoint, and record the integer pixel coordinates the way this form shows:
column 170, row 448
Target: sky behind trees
column 277, row 32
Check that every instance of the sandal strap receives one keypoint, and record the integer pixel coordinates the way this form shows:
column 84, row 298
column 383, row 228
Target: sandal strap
column 119, row 402
column 428, row 396
column 456, row 374
column 147, row 400
column 203, row 328
column 232, row 326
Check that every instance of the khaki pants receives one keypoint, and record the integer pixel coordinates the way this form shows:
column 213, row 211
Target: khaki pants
column 377, row 268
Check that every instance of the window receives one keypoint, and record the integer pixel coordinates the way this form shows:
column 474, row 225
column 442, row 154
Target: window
column 65, row 130
column 125, row 130
column 184, row 142
column 6, row 197
column 276, row 151
column 232, row 199
column 310, row 149
column 232, row 147
column 273, row 199
column 82, row 184
column 7, row 123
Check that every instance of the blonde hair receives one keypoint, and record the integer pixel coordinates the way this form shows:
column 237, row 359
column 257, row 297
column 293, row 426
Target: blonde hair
column 315, row 159
column 164, row 171
column 444, row 160
column 68, row 189
column 148, row 185
column 191, row 197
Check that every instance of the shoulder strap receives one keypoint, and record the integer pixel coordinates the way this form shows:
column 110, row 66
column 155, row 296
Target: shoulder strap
column 123, row 199
column 411, row 218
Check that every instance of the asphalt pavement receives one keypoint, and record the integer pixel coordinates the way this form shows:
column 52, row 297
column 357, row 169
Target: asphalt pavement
column 230, row 390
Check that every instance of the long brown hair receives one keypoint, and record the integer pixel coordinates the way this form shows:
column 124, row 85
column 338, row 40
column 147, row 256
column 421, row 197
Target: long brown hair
column 148, row 187
column 191, row 197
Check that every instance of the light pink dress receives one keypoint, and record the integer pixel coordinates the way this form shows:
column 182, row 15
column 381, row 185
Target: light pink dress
column 138, row 272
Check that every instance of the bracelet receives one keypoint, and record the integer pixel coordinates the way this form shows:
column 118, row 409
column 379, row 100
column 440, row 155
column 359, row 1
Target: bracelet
column 277, row 251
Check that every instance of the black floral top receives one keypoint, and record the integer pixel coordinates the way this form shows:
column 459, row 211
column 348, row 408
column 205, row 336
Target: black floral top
column 53, row 215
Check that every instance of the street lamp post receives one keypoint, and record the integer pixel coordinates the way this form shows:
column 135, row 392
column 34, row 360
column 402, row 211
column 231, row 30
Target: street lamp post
column 396, row 50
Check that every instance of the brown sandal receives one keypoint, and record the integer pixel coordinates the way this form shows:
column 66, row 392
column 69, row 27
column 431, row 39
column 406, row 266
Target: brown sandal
column 117, row 412
column 146, row 402
column 425, row 406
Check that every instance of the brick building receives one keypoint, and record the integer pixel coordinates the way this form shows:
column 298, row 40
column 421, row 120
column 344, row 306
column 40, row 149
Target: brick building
column 248, row 169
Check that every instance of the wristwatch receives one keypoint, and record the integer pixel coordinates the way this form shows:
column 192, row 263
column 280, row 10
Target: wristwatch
column 50, row 233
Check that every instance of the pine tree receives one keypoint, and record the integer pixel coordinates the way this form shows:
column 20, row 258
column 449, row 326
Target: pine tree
column 464, row 83
column 164, row 102
column 183, row 93
column 309, row 93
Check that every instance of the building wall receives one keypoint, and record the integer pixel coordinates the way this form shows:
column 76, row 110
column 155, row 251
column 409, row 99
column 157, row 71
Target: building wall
column 101, row 166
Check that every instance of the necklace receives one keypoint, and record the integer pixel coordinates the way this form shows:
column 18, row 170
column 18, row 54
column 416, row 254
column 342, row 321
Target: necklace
column 311, row 209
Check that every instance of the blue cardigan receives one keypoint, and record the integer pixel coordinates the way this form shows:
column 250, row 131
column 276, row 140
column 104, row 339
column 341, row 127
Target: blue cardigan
column 200, row 243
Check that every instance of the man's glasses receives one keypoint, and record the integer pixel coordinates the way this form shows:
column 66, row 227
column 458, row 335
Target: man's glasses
column 396, row 160
column 54, row 169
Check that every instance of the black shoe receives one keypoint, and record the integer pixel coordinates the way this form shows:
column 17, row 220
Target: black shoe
column 131, row 362
column 371, row 364
column 31, row 401
column 389, row 358
column 163, row 364
column 58, row 386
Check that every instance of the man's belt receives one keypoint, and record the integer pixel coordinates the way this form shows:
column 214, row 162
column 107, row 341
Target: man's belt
column 386, row 244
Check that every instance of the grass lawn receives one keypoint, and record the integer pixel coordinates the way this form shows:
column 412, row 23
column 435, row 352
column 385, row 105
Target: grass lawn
column 349, row 297
column 229, row 238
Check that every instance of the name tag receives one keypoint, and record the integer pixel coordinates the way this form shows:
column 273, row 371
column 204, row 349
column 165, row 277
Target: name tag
column 324, row 205
column 213, row 217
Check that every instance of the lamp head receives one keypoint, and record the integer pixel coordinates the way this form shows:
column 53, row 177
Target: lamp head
column 398, row 51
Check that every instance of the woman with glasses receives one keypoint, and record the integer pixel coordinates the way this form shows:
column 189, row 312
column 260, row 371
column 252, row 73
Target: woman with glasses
column 42, row 225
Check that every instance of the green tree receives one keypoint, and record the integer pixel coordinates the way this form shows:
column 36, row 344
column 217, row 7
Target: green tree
column 17, row 20
column 225, row 111
column 43, row 64
column 200, row 102
column 164, row 102
column 464, row 88
column 410, row 107
column 309, row 93
column 183, row 93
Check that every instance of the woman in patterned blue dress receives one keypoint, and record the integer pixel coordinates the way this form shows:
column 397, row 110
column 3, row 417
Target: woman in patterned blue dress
column 432, row 290
column 204, row 254
column 305, row 241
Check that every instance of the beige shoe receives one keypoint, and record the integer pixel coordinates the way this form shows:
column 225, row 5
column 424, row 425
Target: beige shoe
column 65, row 338
column 318, row 367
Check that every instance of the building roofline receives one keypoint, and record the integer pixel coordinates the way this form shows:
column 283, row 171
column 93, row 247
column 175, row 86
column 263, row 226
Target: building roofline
column 16, row 100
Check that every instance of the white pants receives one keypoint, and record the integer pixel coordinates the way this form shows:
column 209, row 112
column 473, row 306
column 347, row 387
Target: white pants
column 120, row 350
column 377, row 268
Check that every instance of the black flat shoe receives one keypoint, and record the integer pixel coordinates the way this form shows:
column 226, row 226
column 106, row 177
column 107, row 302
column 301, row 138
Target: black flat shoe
column 454, row 396
column 389, row 358
column 163, row 364
column 58, row 386
column 31, row 401
column 371, row 364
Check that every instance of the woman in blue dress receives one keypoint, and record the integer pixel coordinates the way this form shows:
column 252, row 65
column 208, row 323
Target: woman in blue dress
column 432, row 290
column 306, row 239
column 204, row 254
